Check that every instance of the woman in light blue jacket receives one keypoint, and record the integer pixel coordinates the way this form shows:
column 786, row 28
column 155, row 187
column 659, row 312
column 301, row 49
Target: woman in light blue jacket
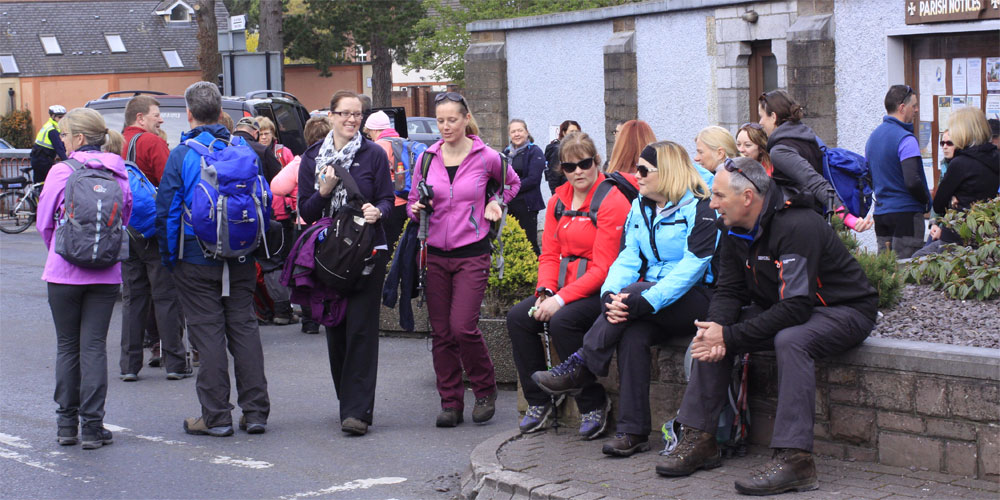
column 656, row 289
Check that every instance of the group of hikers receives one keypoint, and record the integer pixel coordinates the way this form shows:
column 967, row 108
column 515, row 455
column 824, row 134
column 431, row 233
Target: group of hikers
column 732, row 247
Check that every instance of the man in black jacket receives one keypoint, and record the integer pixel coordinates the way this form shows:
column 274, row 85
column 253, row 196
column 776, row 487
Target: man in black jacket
column 787, row 284
column 248, row 129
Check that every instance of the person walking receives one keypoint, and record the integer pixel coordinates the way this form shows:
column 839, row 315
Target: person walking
column 48, row 147
column 82, row 299
column 382, row 132
column 528, row 162
column 458, row 255
column 352, row 345
column 583, row 227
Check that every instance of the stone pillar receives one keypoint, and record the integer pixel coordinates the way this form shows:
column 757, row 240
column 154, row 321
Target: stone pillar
column 486, row 85
column 811, row 62
column 621, row 98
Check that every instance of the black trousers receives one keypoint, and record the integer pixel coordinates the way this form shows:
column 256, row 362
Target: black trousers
column 632, row 340
column 829, row 331
column 82, row 314
column 566, row 330
column 353, row 347
column 147, row 282
column 528, row 219
column 217, row 324
column 901, row 231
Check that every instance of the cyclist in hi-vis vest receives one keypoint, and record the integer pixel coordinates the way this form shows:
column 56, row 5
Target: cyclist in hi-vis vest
column 48, row 147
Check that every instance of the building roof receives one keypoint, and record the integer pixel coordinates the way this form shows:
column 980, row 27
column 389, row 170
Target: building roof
column 80, row 28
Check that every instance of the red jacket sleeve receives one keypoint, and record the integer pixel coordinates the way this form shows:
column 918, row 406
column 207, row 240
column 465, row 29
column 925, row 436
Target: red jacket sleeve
column 152, row 150
column 548, row 261
column 607, row 243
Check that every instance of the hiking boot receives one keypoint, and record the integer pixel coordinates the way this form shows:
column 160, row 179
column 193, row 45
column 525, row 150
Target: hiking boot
column 568, row 378
column 485, row 408
column 790, row 470
column 696, row 450
column 536, row 417
column 354, row 426
column 128, row 377
column 252, row 427
column 195, row 360
column 449, row 417
column 155, row 359
column 67, row 436
column 181, row 375
column 197, row 426
column 284, row 315
column 626, row 445
column 310, row 327
column 593, row 423
column 94, row 438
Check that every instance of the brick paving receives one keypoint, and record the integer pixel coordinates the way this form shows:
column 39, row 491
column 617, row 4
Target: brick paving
column 561, row 465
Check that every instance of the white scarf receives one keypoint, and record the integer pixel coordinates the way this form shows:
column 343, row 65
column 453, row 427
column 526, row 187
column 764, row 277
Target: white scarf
column 328, row 155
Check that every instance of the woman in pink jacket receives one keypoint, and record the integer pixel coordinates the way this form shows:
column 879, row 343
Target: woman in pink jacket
column 458, row 260
column 81, row 299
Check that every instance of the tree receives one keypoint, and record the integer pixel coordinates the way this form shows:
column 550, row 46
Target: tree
column 328, row 32
column 209, row 59
column 442, row 46
column 270, row 26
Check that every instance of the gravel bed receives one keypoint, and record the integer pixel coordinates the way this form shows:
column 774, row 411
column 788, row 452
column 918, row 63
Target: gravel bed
column 929, row 315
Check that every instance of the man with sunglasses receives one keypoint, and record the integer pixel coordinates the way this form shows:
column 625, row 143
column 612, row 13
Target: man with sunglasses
column 787, row 284
column 901, row 193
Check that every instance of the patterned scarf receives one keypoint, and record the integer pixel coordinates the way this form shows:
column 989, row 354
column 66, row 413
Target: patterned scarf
column 328, row 155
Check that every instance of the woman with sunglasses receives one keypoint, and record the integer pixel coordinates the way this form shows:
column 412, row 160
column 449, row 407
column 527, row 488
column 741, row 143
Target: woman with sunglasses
column 796, row 157
column 578, row 247
column 458, row 255
column 656, row 289
column 352, row 344
column 751, row 141
column 528, row 161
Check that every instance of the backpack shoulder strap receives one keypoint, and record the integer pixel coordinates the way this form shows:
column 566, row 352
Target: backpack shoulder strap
column 425, row 164
column 603, row 189
column 130, row 155
column 560, row 208
column 74, row 163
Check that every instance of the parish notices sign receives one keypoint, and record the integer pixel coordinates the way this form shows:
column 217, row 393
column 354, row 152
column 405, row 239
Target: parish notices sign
column 936, row 11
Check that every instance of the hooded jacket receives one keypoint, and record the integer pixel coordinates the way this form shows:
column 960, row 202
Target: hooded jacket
column 50, row 201
column 529, row 164
column 973, row 175
column 789, row 264
column 457, row 219
column 798, row 164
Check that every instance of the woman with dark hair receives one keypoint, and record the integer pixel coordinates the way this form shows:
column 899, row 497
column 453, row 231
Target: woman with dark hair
column 751, row 141
column 458, row 254
column 553, row 176
column 796, row 157
column 352, row 345
column 529, row 163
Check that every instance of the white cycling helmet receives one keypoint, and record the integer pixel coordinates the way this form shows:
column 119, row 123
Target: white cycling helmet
column 56, row 109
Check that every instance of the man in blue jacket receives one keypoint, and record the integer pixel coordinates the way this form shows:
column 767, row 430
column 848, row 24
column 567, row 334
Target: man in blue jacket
column 901, row 193
column 217, row 299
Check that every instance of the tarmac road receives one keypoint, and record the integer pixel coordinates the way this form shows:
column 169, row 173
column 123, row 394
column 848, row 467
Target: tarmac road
column 303, row 454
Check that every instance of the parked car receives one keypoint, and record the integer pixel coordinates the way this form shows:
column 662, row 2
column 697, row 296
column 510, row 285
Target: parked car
column 423, row 129
column 287, row 113
column 5, row 145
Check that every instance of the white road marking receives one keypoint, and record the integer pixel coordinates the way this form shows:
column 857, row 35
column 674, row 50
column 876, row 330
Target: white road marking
column 26, row 460
column 357, row 484
column 115, row 428
column 14, row 441
column 159, row 439
column 248, row 463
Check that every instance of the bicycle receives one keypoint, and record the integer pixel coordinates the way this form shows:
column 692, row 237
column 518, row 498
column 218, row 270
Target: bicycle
column 18, row 202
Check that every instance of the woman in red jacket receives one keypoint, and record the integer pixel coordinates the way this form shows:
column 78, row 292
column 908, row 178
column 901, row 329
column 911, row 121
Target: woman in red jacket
column 578, row 247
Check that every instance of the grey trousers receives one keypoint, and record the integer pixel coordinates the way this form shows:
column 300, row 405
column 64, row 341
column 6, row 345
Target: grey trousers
column 82, row 314
column 218, row 323
column 147, row 282
column 829, row 331
column 902, row 232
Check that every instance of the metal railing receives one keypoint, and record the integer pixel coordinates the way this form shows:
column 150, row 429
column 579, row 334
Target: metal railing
column 11, row 161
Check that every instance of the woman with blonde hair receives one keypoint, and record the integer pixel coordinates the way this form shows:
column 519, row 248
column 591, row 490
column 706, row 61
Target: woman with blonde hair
column 82, row 299
column 751, row 141
column 656, row 288
column 634, row 136
column 712, row 146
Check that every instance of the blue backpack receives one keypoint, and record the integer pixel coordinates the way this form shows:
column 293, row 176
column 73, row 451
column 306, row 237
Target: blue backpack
column 850, row 177
column 231, row 205
column 405, row 154
column 143, row 219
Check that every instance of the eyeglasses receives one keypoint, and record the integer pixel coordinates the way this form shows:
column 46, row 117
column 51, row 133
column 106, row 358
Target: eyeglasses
column 644, row 170
column 584, row 164
column 451, row 96
column 348, row 114
column 731, row 167
column 754, row 125
column 947, row 143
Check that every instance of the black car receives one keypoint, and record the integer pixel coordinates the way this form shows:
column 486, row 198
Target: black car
column 287, row 113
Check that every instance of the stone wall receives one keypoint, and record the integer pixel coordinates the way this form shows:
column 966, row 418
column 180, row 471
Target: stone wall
column 486, row 85
column 620, row 80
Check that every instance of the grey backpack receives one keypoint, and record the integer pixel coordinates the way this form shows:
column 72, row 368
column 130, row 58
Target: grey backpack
column 89, row 231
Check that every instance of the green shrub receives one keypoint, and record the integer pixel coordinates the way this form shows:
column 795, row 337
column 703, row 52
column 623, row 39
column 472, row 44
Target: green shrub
column 17, row 129
column 972, row 269
column 519, row 276
column 880, row 268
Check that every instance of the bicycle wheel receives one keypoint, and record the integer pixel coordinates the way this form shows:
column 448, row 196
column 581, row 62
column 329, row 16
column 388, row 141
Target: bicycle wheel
column 17, row 212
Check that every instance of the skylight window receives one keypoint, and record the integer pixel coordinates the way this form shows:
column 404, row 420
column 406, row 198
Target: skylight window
column 8, row 65
column 115, row 43
column 173, row 59
column 51, row 45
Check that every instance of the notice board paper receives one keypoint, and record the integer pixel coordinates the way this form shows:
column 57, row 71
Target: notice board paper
column 932, row 82
column 958, row 76
column 974, row 72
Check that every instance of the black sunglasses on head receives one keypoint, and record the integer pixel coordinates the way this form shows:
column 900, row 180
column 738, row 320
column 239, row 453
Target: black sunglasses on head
column 451, row 96
column 909, row 92
column 584, row 164
column 731, row 167
column 751, row 125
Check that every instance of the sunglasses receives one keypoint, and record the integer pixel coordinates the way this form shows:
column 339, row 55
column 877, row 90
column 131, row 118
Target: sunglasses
column 451, row 96
column 645, row 171
column 947, row 143
column 570, row 167
column 731, row 167
column 909, row 92
column 753, row 125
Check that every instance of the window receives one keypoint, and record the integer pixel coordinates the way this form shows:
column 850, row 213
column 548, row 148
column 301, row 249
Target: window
column 180, row 13
column 359, row 53
column 115, row 43
column 173, row 59
column 8, row 65
column 51, row 45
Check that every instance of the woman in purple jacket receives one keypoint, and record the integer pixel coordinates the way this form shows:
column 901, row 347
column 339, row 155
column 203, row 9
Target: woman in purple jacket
column 458, row 260
column 353, row 344
column 81, row 299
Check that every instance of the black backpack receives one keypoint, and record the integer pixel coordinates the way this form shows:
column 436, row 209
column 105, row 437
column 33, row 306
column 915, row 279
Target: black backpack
column 345, row 255
column 612, row 180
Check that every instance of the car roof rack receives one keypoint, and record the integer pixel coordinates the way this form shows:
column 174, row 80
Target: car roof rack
column 133, row 92
column 268, row 93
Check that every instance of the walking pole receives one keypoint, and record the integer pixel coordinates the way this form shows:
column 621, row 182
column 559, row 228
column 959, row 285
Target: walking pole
column 546, row 346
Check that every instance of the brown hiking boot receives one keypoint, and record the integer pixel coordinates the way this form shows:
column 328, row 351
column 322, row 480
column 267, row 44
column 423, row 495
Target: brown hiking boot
column 626, row 445
column 789, row 470
column 485, row 408
column 696, row 450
